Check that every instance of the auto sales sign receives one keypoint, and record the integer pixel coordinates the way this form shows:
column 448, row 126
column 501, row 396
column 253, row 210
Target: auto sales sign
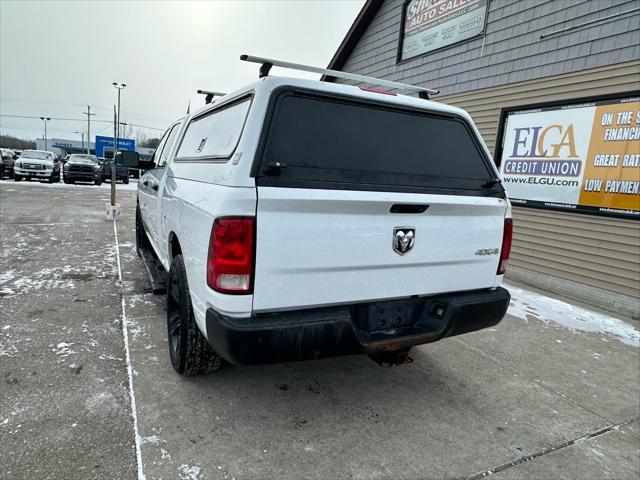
column 576, row 157
column 432, row 24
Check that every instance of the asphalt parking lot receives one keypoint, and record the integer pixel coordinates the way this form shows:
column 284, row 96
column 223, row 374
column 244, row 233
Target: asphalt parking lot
column 530, row 398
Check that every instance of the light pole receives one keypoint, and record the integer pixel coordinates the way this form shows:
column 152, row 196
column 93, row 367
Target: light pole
column 81, row 133
column 119, row 87
column 45, row 120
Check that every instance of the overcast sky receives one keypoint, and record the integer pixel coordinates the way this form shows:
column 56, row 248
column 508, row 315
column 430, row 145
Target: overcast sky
column 57, row 57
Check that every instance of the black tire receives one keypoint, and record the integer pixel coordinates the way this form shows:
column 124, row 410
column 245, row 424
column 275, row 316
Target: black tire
column 142, row 241
column 17, row 178
column 189, row 350
column 125, row 180
column 2, row 173
column 98, row 182
column 52, row 178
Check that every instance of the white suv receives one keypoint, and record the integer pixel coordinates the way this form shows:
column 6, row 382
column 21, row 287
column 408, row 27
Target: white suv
column 300, row 219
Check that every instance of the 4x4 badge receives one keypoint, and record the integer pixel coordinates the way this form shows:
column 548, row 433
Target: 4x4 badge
column 403, row 239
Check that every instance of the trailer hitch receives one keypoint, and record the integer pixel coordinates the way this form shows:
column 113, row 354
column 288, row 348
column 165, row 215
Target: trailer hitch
column 389, row 359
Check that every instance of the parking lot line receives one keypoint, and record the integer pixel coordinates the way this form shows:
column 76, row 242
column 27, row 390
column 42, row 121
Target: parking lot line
column 125, row 334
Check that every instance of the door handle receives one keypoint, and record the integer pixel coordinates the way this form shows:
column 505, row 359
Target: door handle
column 408, row 208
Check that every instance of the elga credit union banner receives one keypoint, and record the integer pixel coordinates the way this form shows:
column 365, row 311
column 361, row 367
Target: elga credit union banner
column 579, row 157
column 433, row 24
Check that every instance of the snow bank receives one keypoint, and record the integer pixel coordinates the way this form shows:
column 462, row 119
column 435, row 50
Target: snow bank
column 6, row 184
column 525, row 304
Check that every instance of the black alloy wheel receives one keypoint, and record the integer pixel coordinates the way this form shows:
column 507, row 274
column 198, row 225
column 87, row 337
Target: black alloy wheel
column 189, row 350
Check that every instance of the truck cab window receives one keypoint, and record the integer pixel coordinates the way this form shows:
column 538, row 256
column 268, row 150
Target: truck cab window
column 161, row 160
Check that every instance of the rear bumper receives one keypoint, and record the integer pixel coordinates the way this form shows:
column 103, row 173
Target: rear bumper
column 346, row 330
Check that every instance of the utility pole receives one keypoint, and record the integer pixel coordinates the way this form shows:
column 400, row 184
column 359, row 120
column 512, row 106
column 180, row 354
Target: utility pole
column 113, row 160
column 45, row 120
column 89, row 115
column 116, row 130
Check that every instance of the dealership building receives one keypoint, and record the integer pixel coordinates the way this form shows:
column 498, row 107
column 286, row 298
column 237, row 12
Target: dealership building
column 101, row 147
column 554, row 87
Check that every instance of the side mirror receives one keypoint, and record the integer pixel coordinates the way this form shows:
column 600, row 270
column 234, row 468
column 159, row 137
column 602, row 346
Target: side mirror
column 129, row 159
column 15, row 157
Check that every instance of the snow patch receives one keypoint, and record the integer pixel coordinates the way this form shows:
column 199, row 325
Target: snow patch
column 102, row 403
column 65, row 277
column 134, row 300
column 6, row 276
column 63, row 349
column 105, row 186
column 135, row 328
column 7, row 350
column 109, row 357
column 153, row 440
column 525, row 304
column 189, row 472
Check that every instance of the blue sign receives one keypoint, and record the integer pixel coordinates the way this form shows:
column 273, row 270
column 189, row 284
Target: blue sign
column 103, row 143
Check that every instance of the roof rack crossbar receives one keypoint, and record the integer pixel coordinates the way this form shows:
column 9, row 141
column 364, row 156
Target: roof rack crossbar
column 267, row 63
column 209, row 95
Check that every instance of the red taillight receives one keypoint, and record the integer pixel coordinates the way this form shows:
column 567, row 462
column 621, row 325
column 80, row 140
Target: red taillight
column 506, row 245
column 230, row 262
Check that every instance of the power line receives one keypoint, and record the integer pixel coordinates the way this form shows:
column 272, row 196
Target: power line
column 95, row 107
column 81, row 120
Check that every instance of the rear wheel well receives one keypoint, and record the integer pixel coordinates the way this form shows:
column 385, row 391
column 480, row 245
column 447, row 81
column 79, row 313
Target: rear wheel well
column 174, row 246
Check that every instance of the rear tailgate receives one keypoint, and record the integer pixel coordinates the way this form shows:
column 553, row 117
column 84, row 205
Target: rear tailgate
column 360, row 201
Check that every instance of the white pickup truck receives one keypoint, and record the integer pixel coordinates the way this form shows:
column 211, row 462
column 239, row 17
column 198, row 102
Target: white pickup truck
column 300, row 219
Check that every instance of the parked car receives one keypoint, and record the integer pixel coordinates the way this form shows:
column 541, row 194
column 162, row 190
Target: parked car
column 82, row 167
column 300, row 219
column 8, row 159
column 122, row 173
column 38, row 164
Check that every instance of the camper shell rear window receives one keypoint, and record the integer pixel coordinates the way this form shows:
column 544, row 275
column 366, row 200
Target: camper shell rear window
column 314, row 140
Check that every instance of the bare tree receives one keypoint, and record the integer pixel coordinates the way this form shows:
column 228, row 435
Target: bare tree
column 141, row 137
column 126, row 130
column 150, row 143
column 8, row 141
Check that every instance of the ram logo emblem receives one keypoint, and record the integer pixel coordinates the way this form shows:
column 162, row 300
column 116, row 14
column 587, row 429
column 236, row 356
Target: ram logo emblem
column 403, row 239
